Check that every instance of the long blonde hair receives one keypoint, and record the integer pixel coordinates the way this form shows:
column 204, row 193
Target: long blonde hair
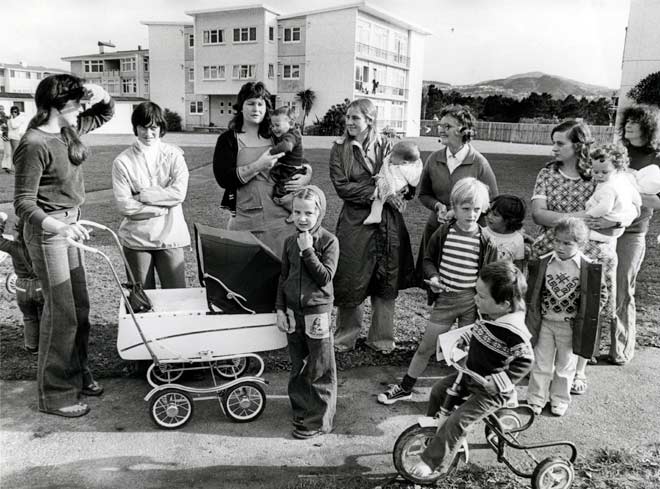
column 368, row 110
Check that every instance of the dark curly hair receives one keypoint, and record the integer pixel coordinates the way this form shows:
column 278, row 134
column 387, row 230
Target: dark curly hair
column 579, row 134
column 648, row 118
column 512, row 209
column 464, row 117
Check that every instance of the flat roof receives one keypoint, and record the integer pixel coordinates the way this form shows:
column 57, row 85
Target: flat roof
column 111, row 54
column 366, row 8
column 19, row 66
column 15, row 95
column 185, row 23
column 235, row 7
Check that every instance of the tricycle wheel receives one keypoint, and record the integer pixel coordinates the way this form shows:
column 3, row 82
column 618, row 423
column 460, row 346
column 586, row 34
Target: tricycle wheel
column 553, row 473
column 166, row 374
column 244, row 402
column 233, row 368
column 171, row 409
column 408, row 450
column 509, row 419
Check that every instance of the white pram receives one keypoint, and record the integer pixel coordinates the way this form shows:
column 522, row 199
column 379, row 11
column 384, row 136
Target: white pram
column 216, row 328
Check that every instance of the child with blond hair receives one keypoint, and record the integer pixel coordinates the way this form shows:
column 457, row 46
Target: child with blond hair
column 453, row 258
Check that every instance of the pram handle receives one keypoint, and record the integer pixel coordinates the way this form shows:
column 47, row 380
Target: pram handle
column 78, row 244
column 85, row 222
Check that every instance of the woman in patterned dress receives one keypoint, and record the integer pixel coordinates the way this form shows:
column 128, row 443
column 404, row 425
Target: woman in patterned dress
column 561, row 190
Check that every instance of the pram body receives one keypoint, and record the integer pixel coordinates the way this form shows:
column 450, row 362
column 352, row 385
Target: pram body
column 216, row 328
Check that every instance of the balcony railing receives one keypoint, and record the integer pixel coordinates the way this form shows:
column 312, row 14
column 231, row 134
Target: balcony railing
column 110, row 74
column 386, row 91
column 389, row 56
column 396, row 124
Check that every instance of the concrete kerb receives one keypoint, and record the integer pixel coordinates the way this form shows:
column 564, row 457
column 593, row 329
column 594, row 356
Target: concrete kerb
column 117, row 445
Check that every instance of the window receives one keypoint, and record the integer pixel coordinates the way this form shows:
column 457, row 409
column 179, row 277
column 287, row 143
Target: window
column 214, row 36
column 291, row 72
column 146, row 87
column 128, row 85
column 245, row 34
column 197, row 107
column 20, row 105
column 214, row 72
column 292, row 34
column 145, row 63
column 191, row 40
column 271, row 70
column 128, row 64
column 92, row 66
column 12, row 73
column 191, row 74
column 111, row 86
column 244, row 72
column 271, row 33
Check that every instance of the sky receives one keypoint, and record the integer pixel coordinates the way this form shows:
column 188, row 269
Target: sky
column 469, row 41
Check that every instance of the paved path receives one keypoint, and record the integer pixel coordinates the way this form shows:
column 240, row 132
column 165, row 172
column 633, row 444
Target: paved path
column 117, row 446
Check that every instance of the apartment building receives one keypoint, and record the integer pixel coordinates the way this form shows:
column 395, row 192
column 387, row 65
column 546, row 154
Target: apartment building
column 22, row 78
column 343, row 52
column 641, row 52
column 121, row 73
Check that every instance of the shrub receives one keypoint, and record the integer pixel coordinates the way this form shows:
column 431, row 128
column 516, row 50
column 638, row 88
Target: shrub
column 173, row 121
column 333, row 122
column 647, row 91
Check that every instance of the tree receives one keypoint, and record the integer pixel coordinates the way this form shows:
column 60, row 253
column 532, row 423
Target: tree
column 173, row 120
column 307, row 98
column 334, row 120
column 647, row 91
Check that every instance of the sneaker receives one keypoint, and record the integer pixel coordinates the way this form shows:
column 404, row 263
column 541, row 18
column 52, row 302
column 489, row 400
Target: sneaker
column 512, row 402
column 559, row 409
column 393, row 394
column 536, row 408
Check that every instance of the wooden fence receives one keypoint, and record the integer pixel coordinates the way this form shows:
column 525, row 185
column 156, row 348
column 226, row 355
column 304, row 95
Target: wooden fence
column 518, row 133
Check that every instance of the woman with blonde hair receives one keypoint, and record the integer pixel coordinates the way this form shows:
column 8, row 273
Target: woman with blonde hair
column 374, row 260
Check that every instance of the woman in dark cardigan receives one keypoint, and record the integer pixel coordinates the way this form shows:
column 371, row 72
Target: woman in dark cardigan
column 443, row 168
column 241, row 165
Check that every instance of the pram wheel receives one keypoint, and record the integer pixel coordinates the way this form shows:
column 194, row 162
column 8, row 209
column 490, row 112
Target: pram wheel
column 171, row 409
column 244, row 402
column 408, row 449
column 166, row 374
column 509, row 419
column 553, row 473
column 232, row 369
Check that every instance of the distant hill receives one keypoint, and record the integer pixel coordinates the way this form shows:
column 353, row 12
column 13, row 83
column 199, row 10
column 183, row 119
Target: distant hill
column 521, row 85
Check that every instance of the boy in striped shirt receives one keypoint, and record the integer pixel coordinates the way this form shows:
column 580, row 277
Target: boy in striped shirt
column 452, row 260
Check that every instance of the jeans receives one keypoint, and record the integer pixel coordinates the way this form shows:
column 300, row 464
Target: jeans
column 448, row 307
column 451, row 433
column 630, row 249
column 554, row 365
column 381, row 332
column 313, row 378
column 62, row 368
column 31, row 303
column 168, row 263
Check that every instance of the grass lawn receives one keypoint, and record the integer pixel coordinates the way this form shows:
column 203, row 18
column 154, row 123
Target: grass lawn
column 515, row 174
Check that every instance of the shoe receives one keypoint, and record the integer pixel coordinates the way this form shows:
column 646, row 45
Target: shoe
column 302, row 434
column 343, row 349
column 32, row 349
column 619, row 362
column 536, row 408
column 592, row 361
column 73, row 411
column 382, row 351
column 393, row 394
column 93, row 389
column 512, row 402
column 559, row 409
column 579, row 386
column 421, row 470
column 298, row 423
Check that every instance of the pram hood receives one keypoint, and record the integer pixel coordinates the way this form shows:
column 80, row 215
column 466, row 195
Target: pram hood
column 240, row 272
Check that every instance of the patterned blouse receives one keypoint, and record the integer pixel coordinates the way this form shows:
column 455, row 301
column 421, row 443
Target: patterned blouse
column 562, row 194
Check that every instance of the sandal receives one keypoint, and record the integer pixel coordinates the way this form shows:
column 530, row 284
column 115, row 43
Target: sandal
column 93, row 389
column 579, row 387
column 73, row 411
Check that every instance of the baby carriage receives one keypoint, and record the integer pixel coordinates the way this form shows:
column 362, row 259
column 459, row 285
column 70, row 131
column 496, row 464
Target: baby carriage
column 216, row 328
